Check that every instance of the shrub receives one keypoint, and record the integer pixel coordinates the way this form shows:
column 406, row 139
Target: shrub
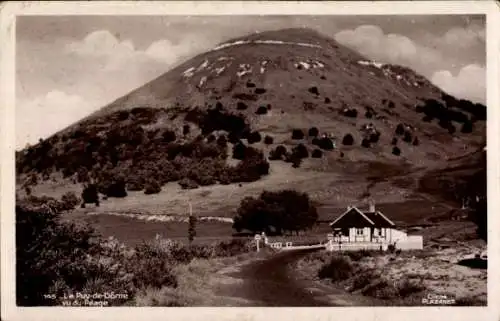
column 416, row 142
column 315, row 141
column 254, row 137
column 317, row 153
column 327, row 100
column 381, row 289
column 374, row 137
column 262, row 110
column 239, row 151
column 70, row 200
column 364, row 279
column 396, row 151
column 116, row 189
column 339, row 268
column 241, row 105
column 368, row 114
column 260, row 91
column 187, row 183
column 300, row 151
column 407, row 137
column 348, row 140
column 394, row 141
column 325, row 143
column 407, row 287
column 90, row 195
column 277, row 153
column 400, row 129
column 269, row 107
column 353, row 113
column 314, row 90
column 268, row 140
column 297, row 134
column 313, row 132
column 169, row 136
column 152, row 187
column 391, row 104
column 365, row 143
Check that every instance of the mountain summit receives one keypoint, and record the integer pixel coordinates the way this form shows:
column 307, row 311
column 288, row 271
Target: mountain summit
column 293, row 87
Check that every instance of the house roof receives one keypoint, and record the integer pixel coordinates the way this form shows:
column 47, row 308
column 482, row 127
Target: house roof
column 375, row 219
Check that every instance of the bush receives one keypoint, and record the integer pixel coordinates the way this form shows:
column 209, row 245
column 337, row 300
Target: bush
column 314, row 90
column 353, row 113
column 90, row 195
column 400, row 129
column 339, row 268
column 169, row 136
column 368, row 114
column 297, row 134
column 152, row 187
column 407, row 287
column 407, row 137
column 116, row 189
column 396, row 151
column 300, row 151
column 268, row 140
column 348, row 140
column 239, row 151
column 254, row 137
column 70, row 200
column 416, row 142
column 260, row 91
column 317, row 153
column 241, row 106
column 262, row 110
column 365, row 143
column 313, row 132
column 327, row 100
column 278, row 153
column 394, row 141
column 187, row 183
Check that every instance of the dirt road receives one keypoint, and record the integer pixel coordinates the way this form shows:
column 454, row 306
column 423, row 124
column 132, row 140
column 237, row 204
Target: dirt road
column 270, row 282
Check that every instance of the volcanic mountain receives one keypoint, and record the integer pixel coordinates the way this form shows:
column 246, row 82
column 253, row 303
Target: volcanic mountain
column 293, row 87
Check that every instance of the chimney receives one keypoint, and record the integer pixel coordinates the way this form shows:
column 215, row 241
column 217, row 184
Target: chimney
column 371, row 208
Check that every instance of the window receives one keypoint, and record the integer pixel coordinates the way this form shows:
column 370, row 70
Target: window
column 382, row 232
column 359, row 231
column 375, row 232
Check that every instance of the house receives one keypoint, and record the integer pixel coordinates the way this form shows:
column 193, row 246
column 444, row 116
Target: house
column 355, row 229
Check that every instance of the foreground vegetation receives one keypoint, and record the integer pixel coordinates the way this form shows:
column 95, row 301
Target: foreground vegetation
column 57, row 261
column 356, row 272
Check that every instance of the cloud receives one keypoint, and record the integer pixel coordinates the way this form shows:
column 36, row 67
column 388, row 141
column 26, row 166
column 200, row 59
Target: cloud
column 372, row 42
column 47, row 114
column 463, row 37
column 104, row 45
column 469, row 83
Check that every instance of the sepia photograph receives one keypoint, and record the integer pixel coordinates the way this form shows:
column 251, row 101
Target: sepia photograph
column 251, row 160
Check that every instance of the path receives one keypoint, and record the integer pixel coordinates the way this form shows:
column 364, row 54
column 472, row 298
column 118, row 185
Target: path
column 269, row 282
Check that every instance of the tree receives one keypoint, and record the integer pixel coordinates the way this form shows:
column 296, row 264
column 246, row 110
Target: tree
column 325, row 143
column 276, row 212
column 90, row 195
column 268, row 140
column 317, row 153
column 365, row 143
column 262, row 110
column 313, row 132
column 348, row 140
column 277, row 153
column 400, row 129
column 297, row 134
column 407, row 137
column 396, row 151
column 152, row 187
column 416, row 142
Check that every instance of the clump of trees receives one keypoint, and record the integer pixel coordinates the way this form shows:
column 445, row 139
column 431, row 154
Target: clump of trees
column 276, row 213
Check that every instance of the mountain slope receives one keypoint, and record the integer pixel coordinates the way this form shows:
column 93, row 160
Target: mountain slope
column 277, row 84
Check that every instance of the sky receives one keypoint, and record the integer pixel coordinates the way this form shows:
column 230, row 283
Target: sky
column 70, row 66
